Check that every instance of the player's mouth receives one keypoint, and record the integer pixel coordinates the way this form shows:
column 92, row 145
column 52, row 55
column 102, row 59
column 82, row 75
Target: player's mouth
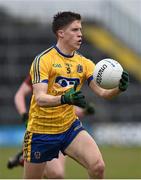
column 80, row 42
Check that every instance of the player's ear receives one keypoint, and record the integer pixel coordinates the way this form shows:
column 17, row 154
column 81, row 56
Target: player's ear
column 60, row 33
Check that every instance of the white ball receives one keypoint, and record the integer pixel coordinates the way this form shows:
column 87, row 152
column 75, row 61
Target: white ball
column 107, row 73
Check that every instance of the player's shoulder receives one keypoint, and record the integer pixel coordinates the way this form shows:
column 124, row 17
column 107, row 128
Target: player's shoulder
column 83, row 58
column 44, row 56
column 46, row 53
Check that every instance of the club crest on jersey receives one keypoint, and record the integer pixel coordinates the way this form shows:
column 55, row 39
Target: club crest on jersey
column 37, row 155
column 79, row 68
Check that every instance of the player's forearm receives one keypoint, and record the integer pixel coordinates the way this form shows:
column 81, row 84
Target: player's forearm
column 111, row 93
column 104, row 93
column 45, row 100
column 20, row 104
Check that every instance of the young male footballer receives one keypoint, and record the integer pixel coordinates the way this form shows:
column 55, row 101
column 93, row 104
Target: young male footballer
column 57, row 76
column 55, row 167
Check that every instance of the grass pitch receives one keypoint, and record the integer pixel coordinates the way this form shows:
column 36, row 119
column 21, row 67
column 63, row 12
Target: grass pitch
column 121, row 163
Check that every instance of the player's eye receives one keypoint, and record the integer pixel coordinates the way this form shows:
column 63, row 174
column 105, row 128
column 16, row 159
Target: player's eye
column 75, row 29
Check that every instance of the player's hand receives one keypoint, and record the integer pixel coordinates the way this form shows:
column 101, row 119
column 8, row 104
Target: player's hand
column 25, row 118
column 73, row 97
column 124, row 81
column 90, row 109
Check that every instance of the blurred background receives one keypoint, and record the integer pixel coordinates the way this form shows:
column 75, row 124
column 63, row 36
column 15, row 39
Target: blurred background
column 111, row 29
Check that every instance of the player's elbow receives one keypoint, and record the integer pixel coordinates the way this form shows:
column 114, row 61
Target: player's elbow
column 39, row 101
column 17, row 97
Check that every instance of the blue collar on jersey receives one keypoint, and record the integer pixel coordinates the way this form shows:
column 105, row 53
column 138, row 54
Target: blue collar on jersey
column 58, row 50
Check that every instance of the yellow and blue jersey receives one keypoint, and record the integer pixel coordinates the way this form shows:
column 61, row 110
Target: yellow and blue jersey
column 59, row 71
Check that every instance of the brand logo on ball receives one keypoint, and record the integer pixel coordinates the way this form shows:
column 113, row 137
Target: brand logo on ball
column 99, row 75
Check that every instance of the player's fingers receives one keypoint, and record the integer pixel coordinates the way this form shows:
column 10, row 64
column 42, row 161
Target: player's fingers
column 77, row 93
column 126, row 78
column 123, row 82
column 125, row 75
column 81, row 104
column 79, row 97
column 75, row 85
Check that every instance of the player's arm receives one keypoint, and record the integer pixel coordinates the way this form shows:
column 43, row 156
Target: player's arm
column 39, row 72
column 19, row 100
column 20, row 96
column 110, row 93
column 42, row 98
column 107, row 94
column 79, row 112
column 88, row 110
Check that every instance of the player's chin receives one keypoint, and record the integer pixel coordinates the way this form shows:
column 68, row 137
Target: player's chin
column 77, row 46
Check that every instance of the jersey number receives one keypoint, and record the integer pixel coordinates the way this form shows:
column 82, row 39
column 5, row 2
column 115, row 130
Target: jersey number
column 68, row 68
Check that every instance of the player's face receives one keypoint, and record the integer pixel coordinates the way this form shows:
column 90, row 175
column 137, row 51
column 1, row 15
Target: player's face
column 72, row 35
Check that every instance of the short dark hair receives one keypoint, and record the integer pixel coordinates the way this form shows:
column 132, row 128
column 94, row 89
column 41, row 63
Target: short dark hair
column 61, row 19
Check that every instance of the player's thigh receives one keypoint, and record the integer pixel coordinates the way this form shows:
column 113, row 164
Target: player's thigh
column 33, row 170
column 84, row 149
column 56, row 164
column 55, row 168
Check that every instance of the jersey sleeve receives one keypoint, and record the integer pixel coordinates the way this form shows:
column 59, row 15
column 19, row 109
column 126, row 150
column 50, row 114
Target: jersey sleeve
column 39, row 70
column 89, row 70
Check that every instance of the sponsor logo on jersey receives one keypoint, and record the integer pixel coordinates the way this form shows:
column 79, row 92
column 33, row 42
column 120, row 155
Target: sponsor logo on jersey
column 64, row 82
column 79, row 68
column 57, row 65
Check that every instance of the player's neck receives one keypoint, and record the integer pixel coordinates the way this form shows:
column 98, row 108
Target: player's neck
column 64, row 49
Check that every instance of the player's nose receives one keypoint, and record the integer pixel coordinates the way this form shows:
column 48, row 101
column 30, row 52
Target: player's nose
column 79, row 33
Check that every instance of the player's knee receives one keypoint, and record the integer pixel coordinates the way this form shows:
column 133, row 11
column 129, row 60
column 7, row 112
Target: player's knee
column 97, row 169
column 59, row 174
column 55, row 174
